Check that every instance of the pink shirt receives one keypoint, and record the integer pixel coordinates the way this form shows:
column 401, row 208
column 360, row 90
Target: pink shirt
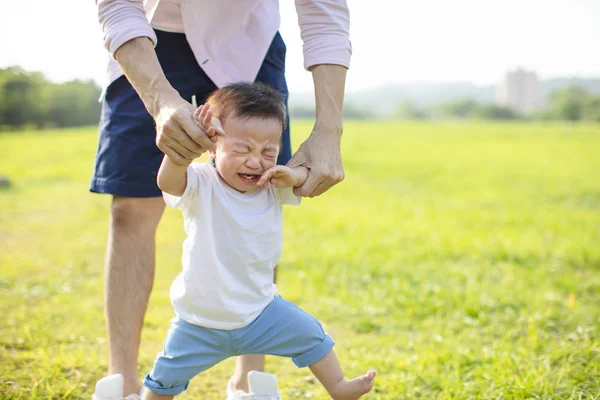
column 229, row 38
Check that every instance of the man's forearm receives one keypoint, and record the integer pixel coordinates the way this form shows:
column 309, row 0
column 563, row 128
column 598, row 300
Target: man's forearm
column 138, row 61
column 329, row 81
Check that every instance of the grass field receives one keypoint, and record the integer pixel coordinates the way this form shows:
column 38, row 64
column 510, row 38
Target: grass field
column 460, row 260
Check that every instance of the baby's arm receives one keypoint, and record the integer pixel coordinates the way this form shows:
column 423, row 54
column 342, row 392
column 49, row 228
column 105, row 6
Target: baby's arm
column 281, row 176
column 172, row 178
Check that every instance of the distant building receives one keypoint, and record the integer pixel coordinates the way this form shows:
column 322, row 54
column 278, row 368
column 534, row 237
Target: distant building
column 521, row 91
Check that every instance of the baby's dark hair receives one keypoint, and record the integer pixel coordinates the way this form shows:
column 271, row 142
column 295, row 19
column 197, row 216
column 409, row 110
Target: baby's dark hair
column 248, row 100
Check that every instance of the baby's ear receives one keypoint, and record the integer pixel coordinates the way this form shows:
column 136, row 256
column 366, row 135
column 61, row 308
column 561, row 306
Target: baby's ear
column 212, row 153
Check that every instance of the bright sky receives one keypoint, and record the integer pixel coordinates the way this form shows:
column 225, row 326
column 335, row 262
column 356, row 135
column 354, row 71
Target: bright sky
column 393, row 41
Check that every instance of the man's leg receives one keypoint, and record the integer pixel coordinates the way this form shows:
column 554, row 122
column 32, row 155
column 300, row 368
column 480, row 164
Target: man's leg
column 129, row 275
column 127, row 163
column 243, row 365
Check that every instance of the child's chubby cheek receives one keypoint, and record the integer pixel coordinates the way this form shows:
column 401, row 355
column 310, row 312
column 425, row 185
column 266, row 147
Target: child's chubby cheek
column 269, row 164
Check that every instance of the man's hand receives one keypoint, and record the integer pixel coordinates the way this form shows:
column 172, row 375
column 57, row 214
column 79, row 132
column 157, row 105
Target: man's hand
column 178, row 135
column 281, row 176
column 321, row 155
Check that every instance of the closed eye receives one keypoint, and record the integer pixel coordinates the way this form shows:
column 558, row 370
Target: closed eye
column 269, row 152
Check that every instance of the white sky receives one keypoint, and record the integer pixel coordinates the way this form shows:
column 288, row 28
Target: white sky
column 393, row 41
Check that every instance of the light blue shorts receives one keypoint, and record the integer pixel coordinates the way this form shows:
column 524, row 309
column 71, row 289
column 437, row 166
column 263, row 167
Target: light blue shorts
column 282, row 329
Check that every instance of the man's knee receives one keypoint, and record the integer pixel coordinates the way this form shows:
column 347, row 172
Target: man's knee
column 136, row 214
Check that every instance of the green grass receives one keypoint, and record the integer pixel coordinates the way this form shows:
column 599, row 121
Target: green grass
column 460, row 260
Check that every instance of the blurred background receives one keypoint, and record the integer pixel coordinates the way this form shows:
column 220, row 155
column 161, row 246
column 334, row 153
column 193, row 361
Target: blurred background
column 413, row 60
column 460, row 256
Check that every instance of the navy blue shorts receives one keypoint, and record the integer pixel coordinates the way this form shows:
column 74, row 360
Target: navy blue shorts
column 127, row 159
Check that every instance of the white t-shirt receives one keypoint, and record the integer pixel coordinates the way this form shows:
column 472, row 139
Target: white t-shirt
column 233, row 243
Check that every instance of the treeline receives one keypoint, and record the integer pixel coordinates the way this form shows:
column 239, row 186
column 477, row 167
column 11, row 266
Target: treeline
column 571, row 103
column 351, row 111
column 28, row 99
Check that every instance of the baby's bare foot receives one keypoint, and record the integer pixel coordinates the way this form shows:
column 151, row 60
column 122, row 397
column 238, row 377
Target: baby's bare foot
column 354, row 388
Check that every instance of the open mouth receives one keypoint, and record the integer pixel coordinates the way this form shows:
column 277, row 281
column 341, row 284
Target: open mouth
column 250, row 178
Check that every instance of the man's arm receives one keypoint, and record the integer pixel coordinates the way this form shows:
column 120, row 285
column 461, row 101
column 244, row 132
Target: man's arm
column 130, row 40
column 325, row 32
column 176, row 133
column 321, row 152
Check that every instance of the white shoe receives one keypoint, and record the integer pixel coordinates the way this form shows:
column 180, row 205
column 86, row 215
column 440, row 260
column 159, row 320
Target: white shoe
column 111, row 388
column 262, row 386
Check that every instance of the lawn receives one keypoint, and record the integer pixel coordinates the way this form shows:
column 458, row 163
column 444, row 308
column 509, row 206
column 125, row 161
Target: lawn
column 461, row 260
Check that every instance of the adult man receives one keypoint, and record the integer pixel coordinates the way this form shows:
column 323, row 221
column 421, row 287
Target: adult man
column 165, row 51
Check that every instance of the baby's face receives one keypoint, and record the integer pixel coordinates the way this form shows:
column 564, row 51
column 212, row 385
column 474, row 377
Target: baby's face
column 249, row 148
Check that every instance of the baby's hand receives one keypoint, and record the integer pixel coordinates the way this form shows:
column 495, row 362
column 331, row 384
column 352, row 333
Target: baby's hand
column 280, row 176
column 203, row 117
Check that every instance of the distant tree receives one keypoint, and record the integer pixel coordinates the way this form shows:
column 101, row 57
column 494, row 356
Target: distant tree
column 74, row 103
column 458, row 109
column 407, row 110
column 591, row 109
column 352, row 111
column 27, row 98
column 301, row 111
column 492, row 111
column 568, row 103
column 21, row 99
